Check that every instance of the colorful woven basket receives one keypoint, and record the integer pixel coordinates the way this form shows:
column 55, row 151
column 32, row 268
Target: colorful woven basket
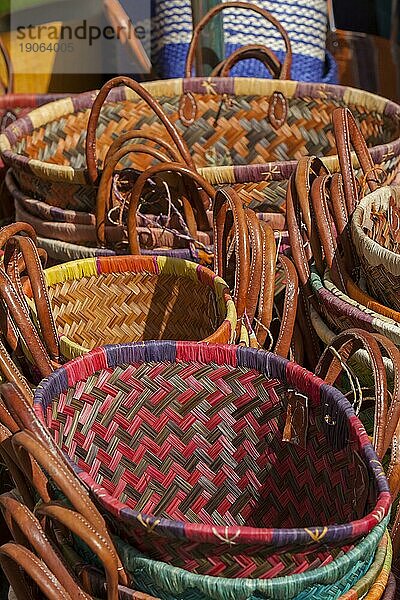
column 232, row 140
column 203, row 496
column 304, row 21
column 375, row 229
column 127, row 299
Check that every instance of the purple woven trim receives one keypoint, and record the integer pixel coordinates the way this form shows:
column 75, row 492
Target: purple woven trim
column 98, row 265
column 10, row 101
column 319, row 90
column 273, row 171
column 210, row 85
column 385, row 152
column 392, row 110
column 19, row 129
column 341, row 307
column 156, row 266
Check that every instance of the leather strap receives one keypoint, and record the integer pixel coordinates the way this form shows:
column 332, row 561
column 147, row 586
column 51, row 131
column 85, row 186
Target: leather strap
column 151, row 172
column 103, row 194
column 330, row 367
column 14, row 557
column 266, row 56
column 348, row 134
column 287, row 63
column 229, row 216
column 256, row 249
column 267, row 291
column 67, row 482
column 27, row 531
column 288, row 320
column 38, row 285
column 135, row 134
column 14, row 469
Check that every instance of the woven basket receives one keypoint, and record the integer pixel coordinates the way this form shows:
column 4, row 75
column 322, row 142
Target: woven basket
column 237, row 143
column 380, row 265
column 216, row 499
column 113, row 300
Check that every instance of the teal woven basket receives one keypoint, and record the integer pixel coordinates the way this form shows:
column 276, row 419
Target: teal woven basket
column 325, row 583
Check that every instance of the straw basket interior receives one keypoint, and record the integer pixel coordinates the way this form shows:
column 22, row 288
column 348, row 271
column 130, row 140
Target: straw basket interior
column 222, row 134
column 125, row 307
column 202, row 443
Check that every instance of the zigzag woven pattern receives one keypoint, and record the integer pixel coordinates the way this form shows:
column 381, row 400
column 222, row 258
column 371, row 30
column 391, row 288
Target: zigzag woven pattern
column 180, row 443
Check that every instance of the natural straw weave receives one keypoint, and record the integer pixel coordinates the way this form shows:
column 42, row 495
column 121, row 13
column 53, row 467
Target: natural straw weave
column 327, row 582
column 182, row 461
column 129, row 299
column 233, row 143
column 380, row 266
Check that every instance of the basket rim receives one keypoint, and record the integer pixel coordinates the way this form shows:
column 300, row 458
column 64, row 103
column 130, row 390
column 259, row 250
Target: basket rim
column 274, row 367
column 241, row 587
column 375, row 254
column 277, row 170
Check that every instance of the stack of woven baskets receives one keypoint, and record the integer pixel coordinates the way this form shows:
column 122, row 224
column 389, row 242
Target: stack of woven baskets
column 200, row 397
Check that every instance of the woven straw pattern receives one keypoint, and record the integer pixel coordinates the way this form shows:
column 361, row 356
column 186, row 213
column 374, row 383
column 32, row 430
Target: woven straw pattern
column 117, row 300
column 380, row 266
column 235, row 137
column 202, row 443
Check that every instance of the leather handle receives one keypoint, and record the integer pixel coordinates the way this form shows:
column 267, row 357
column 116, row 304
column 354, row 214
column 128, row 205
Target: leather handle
column 104, row 190
column 172, row 152
column 153, row 104
column 28, row 532
column 267, row 291
column 256, row 249
column 14, row 557
column 256, row 51
column 14, row 469
column 189, row 174
column 347, row 134
column 67, row 482
column 9, row 86
column 81, row 528
column 287, row 63
column 229, row 215
column 288, row 320
column 16, row 245
column 329, row 368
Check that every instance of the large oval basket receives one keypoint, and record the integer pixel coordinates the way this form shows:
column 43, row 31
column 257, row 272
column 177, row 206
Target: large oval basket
column 184, row 450
column 231, row 139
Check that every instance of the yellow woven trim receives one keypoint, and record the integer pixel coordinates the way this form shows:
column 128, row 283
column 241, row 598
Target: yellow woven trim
column 169, row 87
column 70, row 349
column 225, row 307
column 177, row 266
column 4, row 143
column 332, row 162
column 87, row 267
column 218, row 175
column 56, row 173
column 370, row 102
column 51, row 112
column 249, row 86
column 231, row 316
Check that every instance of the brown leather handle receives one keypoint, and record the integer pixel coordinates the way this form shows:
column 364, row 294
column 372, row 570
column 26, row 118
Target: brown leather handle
column 66, row 481
column 172, row 152
column 14, row 469
column 154, row 105
column 303, row 236
column 347, row 134
column 228, row 215
column 330, row 367
column 84, row 530
column 287, row 63
column 9, row 86
column 198, row 181
column 288, row 319
column 14, row 557
column 28, row 532
column 256, row 51
column 256, row 249
column 104, row 191
column 16, row 245
column 267, row 291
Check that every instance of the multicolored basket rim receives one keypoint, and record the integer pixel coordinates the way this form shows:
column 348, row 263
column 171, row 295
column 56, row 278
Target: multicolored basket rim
column 156, row 265
column 276, row 171
column 273, row 367
column 374, row 253
column 176, row 580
